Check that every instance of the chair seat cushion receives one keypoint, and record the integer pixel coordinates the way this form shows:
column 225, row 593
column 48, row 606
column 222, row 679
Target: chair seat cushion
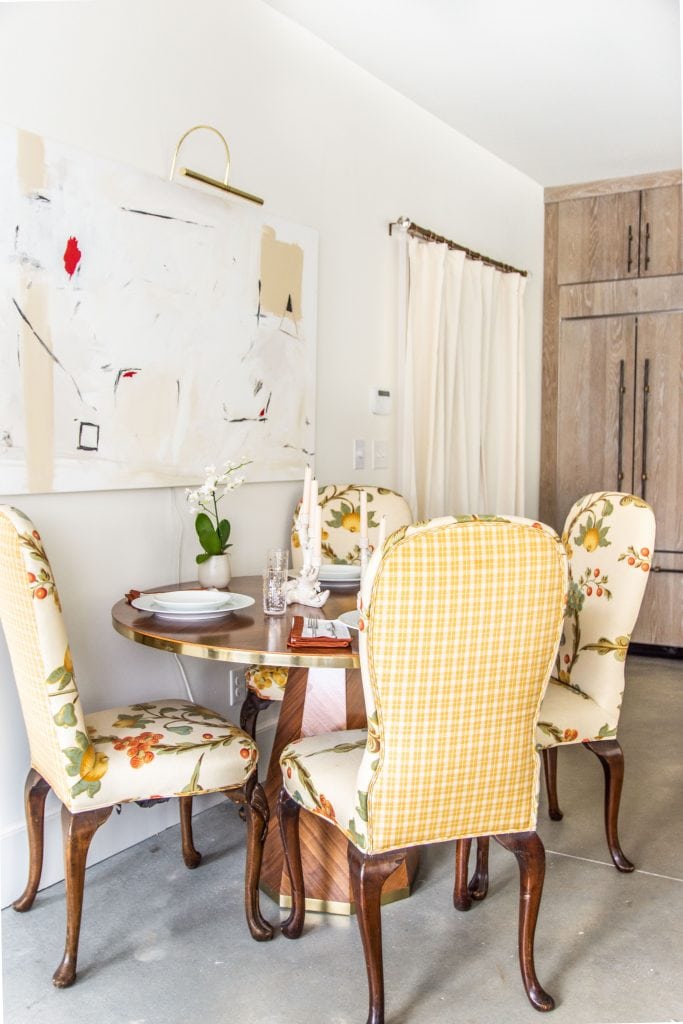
column 160, row 748
column 570, row 716
column 267, row 681
column 321, row 773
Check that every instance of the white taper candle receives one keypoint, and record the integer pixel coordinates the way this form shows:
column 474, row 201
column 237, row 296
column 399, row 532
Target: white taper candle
column 306, row 497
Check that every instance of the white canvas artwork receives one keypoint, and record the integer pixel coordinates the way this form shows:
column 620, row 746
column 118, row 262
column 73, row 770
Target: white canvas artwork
column 147, row 328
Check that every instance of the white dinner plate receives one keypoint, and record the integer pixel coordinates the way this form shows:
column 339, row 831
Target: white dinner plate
column 190, row 600
column 230, row 603
column 350, row 619
column 341, row 586
column 331, row 573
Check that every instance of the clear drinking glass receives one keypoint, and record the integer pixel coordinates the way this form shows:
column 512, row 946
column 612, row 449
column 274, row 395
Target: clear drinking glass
column 275, row 591
column 277, row 558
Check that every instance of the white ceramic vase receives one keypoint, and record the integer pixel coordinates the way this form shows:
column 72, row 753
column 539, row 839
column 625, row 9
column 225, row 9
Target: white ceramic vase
column 215, row 571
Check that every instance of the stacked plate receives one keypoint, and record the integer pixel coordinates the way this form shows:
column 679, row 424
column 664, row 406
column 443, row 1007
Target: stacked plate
column 190, row 604
column 339, row 577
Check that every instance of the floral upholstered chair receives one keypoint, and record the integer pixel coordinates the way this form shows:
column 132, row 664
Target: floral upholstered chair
column 340, row 504
column 460, row 623
column 610, row 541
column 92, row 762
column 609, row 538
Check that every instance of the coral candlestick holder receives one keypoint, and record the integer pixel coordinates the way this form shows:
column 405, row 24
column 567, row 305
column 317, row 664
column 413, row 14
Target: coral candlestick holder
column 305, row 589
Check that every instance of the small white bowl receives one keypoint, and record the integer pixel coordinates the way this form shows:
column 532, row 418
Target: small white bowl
column 191, row 600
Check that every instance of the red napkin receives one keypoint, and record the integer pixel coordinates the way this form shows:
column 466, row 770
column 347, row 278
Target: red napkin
column 310, row 632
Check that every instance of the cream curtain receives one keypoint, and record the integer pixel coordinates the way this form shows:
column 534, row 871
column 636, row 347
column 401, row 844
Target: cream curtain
column 460, row 383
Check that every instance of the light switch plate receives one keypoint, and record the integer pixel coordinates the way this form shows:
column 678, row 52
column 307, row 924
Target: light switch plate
column 380, row 454
column 359, row 454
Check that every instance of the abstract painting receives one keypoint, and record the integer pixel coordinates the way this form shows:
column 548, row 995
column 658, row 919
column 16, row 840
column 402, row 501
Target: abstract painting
column 147, row 328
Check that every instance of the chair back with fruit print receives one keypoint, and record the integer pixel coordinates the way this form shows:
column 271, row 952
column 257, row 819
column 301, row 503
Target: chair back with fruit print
column 340, row 507
column 34, row 628
column 609, row 538
column 459, row 628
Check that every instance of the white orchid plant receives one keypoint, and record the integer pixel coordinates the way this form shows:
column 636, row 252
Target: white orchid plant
column 214, row 532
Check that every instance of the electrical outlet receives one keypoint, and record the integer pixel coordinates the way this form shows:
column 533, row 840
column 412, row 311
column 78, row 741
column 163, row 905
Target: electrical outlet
column 238, row 687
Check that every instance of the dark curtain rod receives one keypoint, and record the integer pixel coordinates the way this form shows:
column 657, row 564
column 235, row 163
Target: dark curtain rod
column 414, row 229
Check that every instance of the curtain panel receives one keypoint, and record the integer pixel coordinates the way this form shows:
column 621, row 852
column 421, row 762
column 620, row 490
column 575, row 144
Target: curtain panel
column 460, row 383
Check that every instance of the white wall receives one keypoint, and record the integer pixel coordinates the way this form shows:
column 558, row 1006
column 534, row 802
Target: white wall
column 327, row 146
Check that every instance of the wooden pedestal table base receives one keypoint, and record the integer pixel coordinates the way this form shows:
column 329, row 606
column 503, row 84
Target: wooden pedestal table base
column 323, row 847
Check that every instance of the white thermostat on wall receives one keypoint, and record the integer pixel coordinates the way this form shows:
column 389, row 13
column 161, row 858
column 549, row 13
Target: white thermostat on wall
column 380, row 401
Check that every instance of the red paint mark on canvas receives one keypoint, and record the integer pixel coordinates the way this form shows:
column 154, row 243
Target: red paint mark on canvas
column 72, row 256
column 129, row 373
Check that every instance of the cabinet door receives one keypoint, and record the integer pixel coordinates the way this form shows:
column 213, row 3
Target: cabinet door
column 661, row 237
column 594, row 407
column 658, row 443
column 598, row 238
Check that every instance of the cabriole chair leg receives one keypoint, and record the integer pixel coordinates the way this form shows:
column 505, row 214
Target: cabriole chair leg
column 254, row 801
column 611, row 757
column 528, row 849
column 77, row 833
column 367, row 876
column 461, row 897
column 478, row 887
column 249, row 712
column 479, row 883
column 35, row 794
column 550, row 771
column 288, row 817
column 191, row 856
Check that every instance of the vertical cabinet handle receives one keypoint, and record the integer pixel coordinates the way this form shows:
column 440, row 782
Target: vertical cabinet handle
column 620, row 431
column 629, row 255
column 646, row 393
column 647, row 246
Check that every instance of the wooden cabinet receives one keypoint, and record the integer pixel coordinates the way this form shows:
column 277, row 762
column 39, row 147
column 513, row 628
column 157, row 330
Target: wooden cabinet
column 620, row 417
column 620, row 235
column 658, row 469
column 661, row 232
column 612, row 414
column 595, row 404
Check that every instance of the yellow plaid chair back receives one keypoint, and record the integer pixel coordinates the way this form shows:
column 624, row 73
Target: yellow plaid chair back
column 34, row 628
column 461, row 620
column 610, row 539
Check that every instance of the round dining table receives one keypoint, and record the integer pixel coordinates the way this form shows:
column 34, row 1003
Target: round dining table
column 327, row 702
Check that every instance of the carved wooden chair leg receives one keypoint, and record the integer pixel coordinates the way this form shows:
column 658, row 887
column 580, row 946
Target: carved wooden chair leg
column 368, row 874
column 250, row 711
column 479, row 883
column 35, row 794
column 257, row 816
column 550, row 772
column 461, row 897
column 528, row 849
column 191, row 856
column 612, row 759
column 288, row 817
column 77, row 833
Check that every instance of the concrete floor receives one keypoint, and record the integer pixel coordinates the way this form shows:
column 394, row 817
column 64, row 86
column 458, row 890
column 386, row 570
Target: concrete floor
column 163, row 945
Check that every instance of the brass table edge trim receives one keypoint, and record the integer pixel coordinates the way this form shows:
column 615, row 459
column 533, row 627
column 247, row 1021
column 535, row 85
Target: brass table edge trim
column 236, row 655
